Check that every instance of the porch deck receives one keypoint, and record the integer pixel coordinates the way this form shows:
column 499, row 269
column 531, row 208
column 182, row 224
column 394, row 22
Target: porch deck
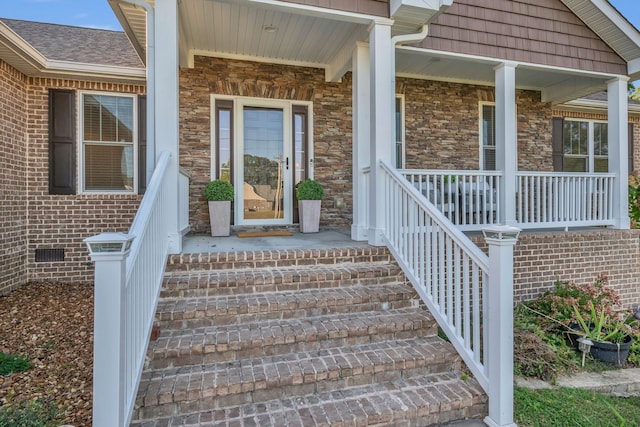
column 335, row 238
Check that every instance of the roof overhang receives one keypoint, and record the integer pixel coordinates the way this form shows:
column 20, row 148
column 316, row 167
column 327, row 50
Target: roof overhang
column 25, row 58
column 612, row 28
column 594, row 106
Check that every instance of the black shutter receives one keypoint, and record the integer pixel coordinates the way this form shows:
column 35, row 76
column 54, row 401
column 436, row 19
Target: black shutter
column 142, row 144
column 557, row 129
column 62, row 141
column 631, row 165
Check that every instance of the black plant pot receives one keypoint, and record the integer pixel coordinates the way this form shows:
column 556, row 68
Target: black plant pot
column 614, row 353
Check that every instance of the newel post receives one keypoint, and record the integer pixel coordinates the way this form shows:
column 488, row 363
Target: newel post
column 499, row 318
column 109, row 252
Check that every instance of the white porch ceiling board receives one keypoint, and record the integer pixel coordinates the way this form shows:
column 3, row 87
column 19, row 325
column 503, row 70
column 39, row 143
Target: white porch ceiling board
column 236, row 29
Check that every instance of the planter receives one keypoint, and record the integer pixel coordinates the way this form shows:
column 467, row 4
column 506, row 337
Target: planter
column 309, row 211
column 614, row 353
column 220, row 218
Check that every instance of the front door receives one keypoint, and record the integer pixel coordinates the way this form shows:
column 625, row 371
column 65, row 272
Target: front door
column 264, row 176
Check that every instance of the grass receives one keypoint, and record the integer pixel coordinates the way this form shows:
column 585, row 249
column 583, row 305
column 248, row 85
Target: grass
column 33, row 413
column 10, row 364
column 574, row 407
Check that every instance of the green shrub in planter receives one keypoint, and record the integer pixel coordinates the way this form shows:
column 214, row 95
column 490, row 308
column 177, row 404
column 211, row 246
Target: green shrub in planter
column 218, row 190
column 309, row 190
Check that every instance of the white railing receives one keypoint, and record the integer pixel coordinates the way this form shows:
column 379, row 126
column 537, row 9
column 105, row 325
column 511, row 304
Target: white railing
column 183, row 201
column 469, row 199
column 552, row 199
column 469, row 294
column 127, row 286
column 446, row 268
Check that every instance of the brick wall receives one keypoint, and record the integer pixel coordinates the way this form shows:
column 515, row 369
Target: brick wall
column 331, row 121
column 61, row 221
column 13, row 179
column 542, row 258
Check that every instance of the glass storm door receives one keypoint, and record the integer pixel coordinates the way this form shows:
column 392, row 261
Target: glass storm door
column 265, row 173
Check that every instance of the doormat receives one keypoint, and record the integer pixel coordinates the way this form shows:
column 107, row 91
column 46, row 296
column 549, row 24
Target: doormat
column 264, row 234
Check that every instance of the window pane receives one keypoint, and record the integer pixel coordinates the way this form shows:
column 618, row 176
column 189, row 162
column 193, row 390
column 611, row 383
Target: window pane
column 489, row 125
column 574, row 164
column 600, row 139
column 489, row 158
column 576, row 136
column 108, row 167
column 300, row 140
column 108, row 118
column 601, row 164
column 224, row 144
column 399, row 137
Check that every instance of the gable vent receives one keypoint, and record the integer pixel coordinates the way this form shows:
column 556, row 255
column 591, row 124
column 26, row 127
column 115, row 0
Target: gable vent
column 49, row 255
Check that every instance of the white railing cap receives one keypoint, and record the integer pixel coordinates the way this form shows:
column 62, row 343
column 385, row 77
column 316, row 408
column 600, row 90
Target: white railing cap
column 501, row 232
column 111, row 243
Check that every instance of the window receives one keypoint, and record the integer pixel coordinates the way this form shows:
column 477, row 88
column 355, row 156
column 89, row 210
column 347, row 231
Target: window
column 585, row 146
column 108, row 128
column 224, row 134
column 399, row 132
column 487, row 137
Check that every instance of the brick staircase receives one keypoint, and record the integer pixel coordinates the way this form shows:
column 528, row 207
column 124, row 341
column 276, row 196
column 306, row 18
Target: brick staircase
column 331, row 337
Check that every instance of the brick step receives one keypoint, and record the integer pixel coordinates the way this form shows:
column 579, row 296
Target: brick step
column 193, row 389
column 276, row 258
column 232, row 309
column 227, row 282
column 235, row 342
column 423, row 401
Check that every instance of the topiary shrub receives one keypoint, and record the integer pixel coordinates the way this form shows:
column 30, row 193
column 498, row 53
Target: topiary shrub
column 309, row 190
column 218, row 190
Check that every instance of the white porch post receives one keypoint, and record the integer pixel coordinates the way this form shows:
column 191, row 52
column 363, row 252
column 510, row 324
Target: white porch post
column 166, row 106
column 109, row 252
column 619, row 149
column 506, row 140
column 499, row 329
column 382, row 104
column 361, row 140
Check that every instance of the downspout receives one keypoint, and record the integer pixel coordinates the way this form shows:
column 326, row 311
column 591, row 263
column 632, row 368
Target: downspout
column 151, row 86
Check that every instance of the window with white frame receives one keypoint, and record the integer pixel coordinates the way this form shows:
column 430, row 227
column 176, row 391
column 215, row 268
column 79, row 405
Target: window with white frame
column 108, row 130
column 585, row 146
column 487, row 136
column 399, row 132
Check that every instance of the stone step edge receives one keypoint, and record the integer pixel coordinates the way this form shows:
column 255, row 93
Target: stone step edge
column 264, row 378
column 436, row 399
column 267, row 337
column 285, row 257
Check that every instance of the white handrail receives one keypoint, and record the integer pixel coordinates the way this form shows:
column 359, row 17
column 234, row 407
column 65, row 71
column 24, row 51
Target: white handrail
column 449, row 272
column 122, row 330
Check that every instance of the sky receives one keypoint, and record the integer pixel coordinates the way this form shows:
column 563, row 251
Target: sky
column 98, row 14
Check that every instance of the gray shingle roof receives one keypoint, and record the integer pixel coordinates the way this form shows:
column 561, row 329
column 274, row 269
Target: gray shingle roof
column 77, row 44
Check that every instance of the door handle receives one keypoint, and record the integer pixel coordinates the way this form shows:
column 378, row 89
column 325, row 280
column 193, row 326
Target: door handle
column 287, row 163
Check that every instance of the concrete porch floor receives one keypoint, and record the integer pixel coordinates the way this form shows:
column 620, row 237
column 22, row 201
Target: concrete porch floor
column 324, row 239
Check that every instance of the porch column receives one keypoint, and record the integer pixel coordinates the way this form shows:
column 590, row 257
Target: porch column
column 166, row 106
column 361, row 138
column 382, row 90
column 506, row 140
column 619, row 149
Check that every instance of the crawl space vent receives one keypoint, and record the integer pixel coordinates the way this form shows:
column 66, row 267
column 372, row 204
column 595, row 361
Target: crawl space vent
column 49, row 255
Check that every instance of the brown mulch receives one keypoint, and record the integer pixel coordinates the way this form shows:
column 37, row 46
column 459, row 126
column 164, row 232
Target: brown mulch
column 52, row 325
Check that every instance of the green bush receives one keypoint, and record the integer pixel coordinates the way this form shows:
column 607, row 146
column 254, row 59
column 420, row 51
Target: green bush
column 309, row 190
column 218, row 190
column 34, row 413
column 10, row 363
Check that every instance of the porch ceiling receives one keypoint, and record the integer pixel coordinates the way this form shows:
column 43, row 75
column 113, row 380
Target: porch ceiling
column 556, row 85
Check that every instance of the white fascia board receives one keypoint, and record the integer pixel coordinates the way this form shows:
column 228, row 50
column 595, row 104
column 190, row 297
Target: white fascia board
column 583, row 104
column 111, row 71
column 198, row 52
column 321, row 12
column 435, row 5
column 618, row 20
column 20, row 47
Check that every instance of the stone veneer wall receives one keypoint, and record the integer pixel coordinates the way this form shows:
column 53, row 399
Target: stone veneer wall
column 13, row 178
column 331, row 121
column 63, row 221
column 541, row 258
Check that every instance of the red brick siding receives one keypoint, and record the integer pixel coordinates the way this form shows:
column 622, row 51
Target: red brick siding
column 331, row 120
column 367, row 7
column 542, row 258
column 541, row 32
column 56, row 221
column 13, row 178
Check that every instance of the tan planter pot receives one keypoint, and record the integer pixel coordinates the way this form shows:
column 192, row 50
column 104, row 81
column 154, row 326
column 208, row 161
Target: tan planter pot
column 309, row 215
column 220, row 218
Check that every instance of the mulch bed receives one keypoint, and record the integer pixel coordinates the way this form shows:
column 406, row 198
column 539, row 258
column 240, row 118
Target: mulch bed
column 52, row 325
